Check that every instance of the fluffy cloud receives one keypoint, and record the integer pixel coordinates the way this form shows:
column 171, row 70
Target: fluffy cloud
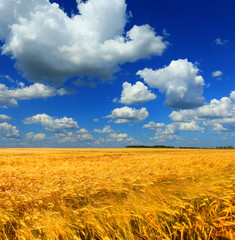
column 171, row 131
column 9, row 97
column 35, row 137
column 85, row 137
column 4, row 117
column 217, row 74
column 218, row 114
column 81, row 131
column 153, row 125
column 49, row 45
column 52, row 124
column 106, row 129
column 113, row 137
column 8, row 131
column 136, row 94
column 216, row 109
column 72, row 137
column 118, row 137
column 168, row 133
column 190, row 126
column 126, row 114
column 179, row 81
column 232, row 95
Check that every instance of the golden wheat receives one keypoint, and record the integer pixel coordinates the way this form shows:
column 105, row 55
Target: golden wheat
column 117, row 194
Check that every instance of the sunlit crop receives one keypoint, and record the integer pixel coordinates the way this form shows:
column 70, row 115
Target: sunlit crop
column 117, row 194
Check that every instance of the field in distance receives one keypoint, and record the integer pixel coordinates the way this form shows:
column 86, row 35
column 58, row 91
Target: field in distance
column 128, row 194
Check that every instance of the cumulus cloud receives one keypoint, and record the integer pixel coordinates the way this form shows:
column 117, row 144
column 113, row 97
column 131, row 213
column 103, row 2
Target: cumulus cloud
column 218, row 114
column 217, row 74
column 191, row 126
column 8, row 131
column 118, row 137
column 49, row 45
column 85, row 137
column 72, row 137
column 172, row 131
column 217, row 127
column 51, row 124
column 35, row 137
column 153, row 125
column 214, row 110
column 81, row 131
column 127, row 114
column 168, row 133
column 106, row 129
column 180, row 82
column 113, row 137
column 9, row 97
column 137, row 93
column 232, row 95
column 4, row 117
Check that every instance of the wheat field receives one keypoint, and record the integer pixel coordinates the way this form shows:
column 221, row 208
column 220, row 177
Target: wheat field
column 128, row 194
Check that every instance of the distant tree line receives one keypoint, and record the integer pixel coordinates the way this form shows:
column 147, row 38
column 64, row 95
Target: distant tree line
column 163, row 146
column 226, row 147
column 155, row 146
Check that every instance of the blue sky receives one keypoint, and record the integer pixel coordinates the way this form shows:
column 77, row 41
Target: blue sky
column 111, row 73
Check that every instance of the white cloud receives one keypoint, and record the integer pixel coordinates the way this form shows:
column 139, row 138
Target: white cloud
column 113, row 136
column 52, row 124
column 218, row 127
column 218, row 114
column 4, row 117
column 215, row 109
column 127, row 114
column 106, row 129
column 118, row 137
column 121, row 121
column 219, row 41
column 49, row 45
column 153, row 125
column 116, row 140
column 171, row 131
column 232, row 95
column 81, row 131
column 179, row 81
column 190, row 126
column 35, row 137
column 137, row 93
column 167, row 134
column 217, row 74
column 9, row 97
column 72, row 137
column 86, row 136
column 8, row 131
